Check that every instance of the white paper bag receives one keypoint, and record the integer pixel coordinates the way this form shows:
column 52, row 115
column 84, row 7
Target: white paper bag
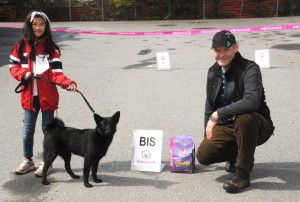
column 146, row 151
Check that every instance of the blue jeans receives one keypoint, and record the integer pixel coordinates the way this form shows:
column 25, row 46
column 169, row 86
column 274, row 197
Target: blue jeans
column 30, row 118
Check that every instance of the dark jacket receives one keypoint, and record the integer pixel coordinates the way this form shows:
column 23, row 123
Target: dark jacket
column 245, row 92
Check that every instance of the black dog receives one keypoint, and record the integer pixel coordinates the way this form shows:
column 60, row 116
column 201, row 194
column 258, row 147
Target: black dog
column 92, row 144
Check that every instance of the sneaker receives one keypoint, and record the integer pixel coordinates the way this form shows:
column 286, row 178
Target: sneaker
column 39, row 171
column 239, row 181
column 25, row 167
column 230, row 167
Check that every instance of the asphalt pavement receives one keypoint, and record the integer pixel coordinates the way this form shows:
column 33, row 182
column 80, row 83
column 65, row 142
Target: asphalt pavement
column 119, row 73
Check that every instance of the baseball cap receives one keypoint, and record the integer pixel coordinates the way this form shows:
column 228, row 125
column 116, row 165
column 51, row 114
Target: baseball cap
column 223, row 38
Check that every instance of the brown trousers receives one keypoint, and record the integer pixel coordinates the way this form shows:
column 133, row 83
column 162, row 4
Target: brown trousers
column 236, row 144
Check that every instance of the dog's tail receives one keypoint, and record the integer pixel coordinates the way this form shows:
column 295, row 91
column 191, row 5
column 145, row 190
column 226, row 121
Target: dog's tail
column 54, row 126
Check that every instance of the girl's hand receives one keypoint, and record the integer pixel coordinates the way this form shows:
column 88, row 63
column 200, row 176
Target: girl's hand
column 27, row 75
column 72, row 87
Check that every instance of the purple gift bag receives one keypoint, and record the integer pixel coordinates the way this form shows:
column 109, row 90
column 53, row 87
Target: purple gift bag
column 182, row 154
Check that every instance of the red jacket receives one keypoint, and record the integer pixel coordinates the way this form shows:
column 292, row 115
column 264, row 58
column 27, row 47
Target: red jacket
column 48, row 93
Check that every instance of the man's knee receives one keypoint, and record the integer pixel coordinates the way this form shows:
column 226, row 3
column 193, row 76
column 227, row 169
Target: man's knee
column 244, row 120
column 203, row 154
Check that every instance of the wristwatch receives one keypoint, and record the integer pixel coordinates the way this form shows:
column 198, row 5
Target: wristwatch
column 212, row 118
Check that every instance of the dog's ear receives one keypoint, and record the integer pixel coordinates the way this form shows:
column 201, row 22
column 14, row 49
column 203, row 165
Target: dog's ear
column 116, row 117
column 97, row 118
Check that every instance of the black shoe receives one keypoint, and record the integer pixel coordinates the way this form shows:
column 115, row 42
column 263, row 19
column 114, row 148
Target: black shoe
column 230, row 167
column 239, row 181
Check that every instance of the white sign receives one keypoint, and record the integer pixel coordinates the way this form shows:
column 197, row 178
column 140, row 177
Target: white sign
column 262, row 58
column 163, row 62
column 41, row 64
column 146, row 151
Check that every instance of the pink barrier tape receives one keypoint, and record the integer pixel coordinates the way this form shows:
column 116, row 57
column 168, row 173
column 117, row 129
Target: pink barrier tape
column 174, row 33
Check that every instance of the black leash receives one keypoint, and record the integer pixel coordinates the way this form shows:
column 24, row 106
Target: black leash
column 88, row 104
column 31, row 77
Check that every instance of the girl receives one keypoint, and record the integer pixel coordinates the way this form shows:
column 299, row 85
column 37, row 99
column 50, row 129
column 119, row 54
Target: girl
column 36, row 54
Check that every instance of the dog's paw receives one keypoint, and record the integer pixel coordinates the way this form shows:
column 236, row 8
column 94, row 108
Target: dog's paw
column 75, row 176
column 98, row 180
column 45, row 183
column 88, row 185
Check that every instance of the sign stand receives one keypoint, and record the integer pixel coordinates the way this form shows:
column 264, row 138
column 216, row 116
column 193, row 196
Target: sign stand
column 146, row 151
column 262, row 58
column 163, row 62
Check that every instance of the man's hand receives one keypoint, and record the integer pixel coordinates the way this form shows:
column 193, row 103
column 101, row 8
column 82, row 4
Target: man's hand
column 209, row 128
column 211, row 124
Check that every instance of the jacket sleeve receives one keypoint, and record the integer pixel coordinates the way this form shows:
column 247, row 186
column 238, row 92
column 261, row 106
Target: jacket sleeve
column 209, row 105
column 16, row 68
column 56, row 74
column 250, row 102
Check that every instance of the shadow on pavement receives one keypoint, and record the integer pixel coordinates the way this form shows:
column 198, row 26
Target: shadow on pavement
column 28, row 186
column 272, row 176
column 265, row 176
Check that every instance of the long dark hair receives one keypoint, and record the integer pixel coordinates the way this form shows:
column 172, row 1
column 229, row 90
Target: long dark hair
column 27, row 33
